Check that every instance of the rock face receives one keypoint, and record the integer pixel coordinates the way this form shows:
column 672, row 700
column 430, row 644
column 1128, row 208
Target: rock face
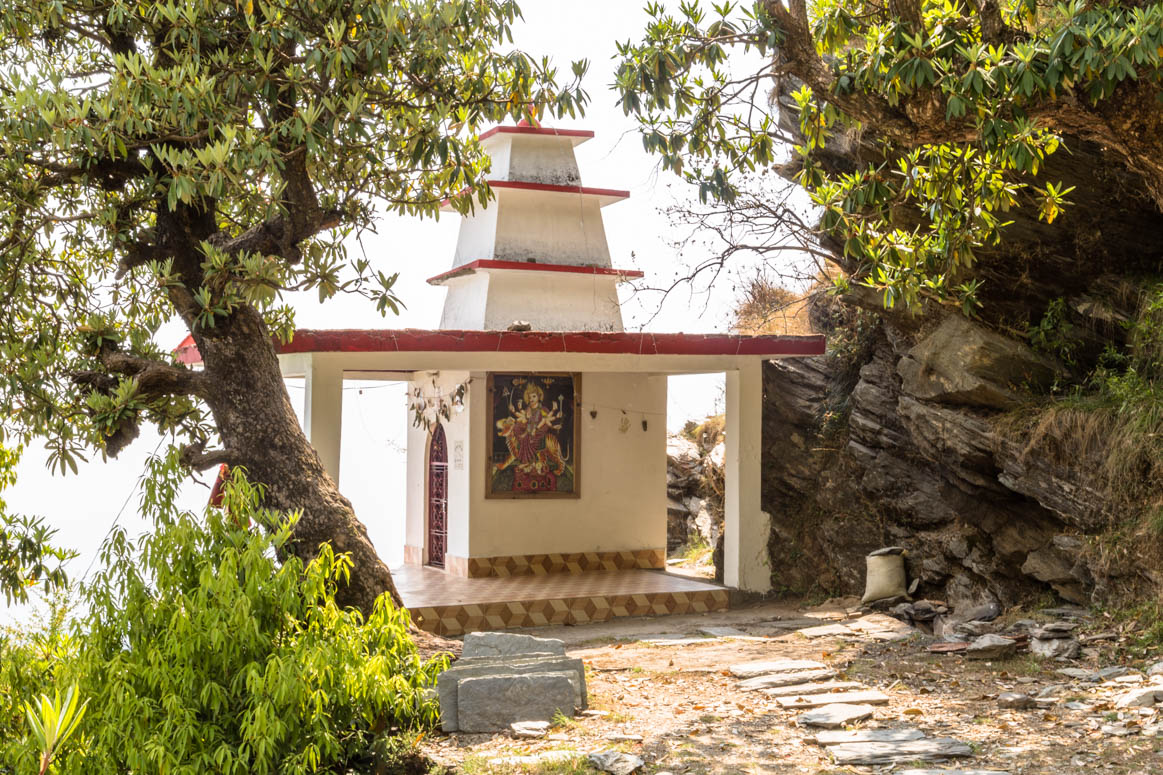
column 900, row 438
column 694, row 477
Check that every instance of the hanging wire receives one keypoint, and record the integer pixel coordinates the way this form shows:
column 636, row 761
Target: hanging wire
column 120, row 512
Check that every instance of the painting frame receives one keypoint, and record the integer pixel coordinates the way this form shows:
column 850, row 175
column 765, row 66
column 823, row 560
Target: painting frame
column 492, row 435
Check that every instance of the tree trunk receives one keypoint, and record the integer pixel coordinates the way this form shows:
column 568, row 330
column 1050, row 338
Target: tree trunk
column 259, row 429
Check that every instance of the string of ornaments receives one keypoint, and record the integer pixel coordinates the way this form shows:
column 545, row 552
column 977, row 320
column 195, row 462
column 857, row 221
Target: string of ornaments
column 428, row 409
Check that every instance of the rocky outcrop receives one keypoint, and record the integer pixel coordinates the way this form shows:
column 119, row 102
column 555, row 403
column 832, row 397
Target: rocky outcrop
column 694, row 488
column 899, row 438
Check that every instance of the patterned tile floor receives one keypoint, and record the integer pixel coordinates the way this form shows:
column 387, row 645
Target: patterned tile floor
column 453, row 605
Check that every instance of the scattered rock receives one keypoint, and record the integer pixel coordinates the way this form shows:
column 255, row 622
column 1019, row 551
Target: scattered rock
column 722, row 632
column 1143, row 697
column 834, row 716
column 953, row 772
column 833, row 698
column 811, row 688
column 1155, row 669
column 532, row 729
column 986, row 612
column 1117, row 730
column 1117, row 671
column 752, row 669
column 948, row 647
column 1056, row 648
column 973, row 629
column 622, row 737
column 867, row 736
column 594, row 713
column 1015, row 700
column 615, row 762
column 991, row 647
column 824, row 630
column 775, row 680
column 1054, row 630
column 1079, row 674
column 935, row 749
column 507, row 644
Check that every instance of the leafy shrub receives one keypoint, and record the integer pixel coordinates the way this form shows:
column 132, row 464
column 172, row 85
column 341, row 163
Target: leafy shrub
column 202, row 652
column 30, row 660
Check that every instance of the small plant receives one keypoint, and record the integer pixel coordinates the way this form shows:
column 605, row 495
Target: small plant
column 561, row 720
column 53, row 721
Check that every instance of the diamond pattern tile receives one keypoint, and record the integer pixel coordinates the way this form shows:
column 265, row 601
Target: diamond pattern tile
column 453, row 605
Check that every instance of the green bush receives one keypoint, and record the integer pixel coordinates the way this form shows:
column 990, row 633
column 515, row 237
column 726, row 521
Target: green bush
column 30, row 660
column 202, row 651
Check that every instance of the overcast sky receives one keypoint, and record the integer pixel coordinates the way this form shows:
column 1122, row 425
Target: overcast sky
column 84, row 506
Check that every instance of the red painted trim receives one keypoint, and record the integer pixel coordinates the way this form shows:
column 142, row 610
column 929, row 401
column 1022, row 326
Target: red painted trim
column 531, row 266
column 636, row 343
column 626, row 343
column 523, row 185
column 550, row 188
column 583, row 134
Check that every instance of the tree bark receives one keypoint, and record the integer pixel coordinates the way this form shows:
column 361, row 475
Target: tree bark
column 258, row 428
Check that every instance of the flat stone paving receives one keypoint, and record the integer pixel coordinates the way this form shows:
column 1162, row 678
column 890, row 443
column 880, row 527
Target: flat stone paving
column 835, row 704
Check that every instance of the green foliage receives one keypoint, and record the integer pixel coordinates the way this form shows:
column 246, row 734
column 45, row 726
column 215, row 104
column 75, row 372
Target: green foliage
column 30, row 661
column 27, row 554
column 53, row 722
column 202, row 651
column 951, row 115
column 1113, row 419
column 211, row 156
column 1052, row 334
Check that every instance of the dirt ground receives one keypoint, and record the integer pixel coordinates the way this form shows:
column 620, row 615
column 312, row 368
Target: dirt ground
column 691, row 717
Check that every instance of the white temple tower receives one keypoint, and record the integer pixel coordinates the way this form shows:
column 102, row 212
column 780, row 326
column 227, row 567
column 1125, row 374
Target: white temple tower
column 538, row 252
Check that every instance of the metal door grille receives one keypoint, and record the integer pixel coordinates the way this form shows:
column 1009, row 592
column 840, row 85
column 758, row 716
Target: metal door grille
column 437, row 498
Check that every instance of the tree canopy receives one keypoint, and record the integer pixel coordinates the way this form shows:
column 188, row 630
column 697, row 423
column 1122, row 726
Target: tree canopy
column 202, row 159
column 918, row 127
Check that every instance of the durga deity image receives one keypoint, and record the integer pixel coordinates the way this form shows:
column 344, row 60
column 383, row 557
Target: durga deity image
column 532, row 459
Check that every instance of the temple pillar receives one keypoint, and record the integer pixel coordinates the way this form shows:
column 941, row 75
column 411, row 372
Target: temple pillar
column 323, row 410
column 746, row 527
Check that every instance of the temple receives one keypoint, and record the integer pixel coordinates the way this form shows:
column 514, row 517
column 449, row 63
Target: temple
column 536, row 462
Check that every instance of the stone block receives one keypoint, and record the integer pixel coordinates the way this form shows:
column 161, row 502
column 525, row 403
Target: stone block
column 490, row 703
column 448, row 682
column 507, row 644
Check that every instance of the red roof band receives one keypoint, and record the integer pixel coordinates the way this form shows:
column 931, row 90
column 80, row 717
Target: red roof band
column 524, row 128
column 531, row 266
column 621, row 343
column 611, row 194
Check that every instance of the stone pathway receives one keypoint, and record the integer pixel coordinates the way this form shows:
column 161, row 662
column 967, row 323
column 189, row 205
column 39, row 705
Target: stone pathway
column 836, row 704
column 759, row 696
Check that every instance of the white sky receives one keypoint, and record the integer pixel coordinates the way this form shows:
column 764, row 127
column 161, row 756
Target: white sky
column 83, row 507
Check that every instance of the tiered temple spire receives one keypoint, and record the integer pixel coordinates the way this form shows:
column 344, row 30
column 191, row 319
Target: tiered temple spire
column 538, row 252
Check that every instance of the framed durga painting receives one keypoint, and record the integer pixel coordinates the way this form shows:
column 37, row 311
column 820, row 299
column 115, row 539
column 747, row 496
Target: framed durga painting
column 534, row 436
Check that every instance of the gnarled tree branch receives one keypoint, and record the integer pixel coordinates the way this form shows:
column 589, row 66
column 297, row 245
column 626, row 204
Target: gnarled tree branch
column 195, row 456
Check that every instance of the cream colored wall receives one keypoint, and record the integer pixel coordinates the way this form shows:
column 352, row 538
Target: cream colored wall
column 456, row 431
column 540, row 159
column 623, row 477
column 553, row 301
column 551, row 228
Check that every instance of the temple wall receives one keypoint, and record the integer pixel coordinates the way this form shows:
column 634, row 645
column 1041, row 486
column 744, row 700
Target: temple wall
column 622, row 506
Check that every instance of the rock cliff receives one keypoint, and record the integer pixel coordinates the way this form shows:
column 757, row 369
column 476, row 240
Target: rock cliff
column 904, row 434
